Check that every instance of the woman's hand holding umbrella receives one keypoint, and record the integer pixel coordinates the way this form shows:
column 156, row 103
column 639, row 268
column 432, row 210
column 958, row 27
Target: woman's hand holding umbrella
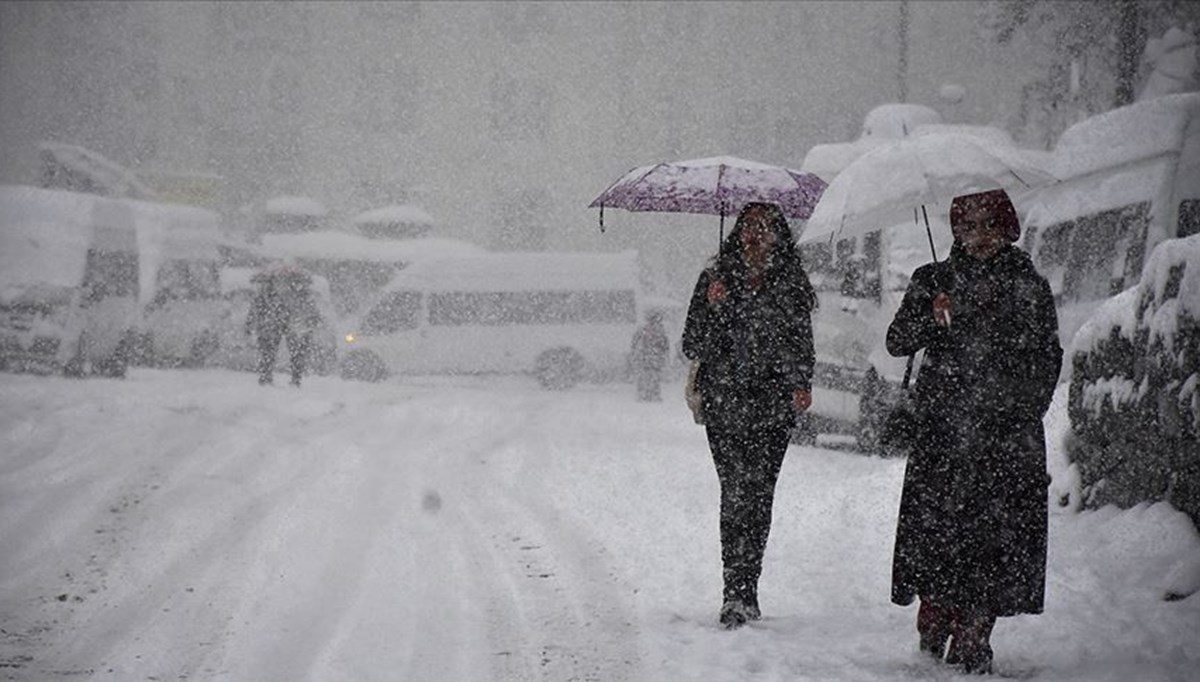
column 941, row 309
column 801, row 399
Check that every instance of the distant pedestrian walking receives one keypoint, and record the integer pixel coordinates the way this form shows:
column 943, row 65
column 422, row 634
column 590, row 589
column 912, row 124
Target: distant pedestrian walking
column 283, row 309
column 749, row 326
column 648, row 356
column 972, row 530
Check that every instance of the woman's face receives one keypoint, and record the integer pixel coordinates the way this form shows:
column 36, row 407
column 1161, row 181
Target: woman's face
column 758, row 239
column 980, row 234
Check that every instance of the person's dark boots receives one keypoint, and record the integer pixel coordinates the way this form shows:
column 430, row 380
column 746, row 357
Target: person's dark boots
column 970, row 647
column 752, row 610
column 935, row 624
column 734, row 614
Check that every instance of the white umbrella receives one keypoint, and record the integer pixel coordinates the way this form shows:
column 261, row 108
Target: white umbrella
column 887, row 185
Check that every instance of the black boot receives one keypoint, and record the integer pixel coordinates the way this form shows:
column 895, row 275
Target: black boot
column 935, row 625
column 734, row 614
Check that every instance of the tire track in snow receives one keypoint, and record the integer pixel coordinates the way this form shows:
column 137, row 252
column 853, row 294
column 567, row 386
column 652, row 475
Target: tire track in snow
column 554, row 608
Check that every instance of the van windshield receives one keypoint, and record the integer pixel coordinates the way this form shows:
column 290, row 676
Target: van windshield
column 496, row 308
column 397, row 311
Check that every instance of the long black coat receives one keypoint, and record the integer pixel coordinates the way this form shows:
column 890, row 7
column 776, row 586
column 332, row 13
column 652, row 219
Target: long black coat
column 755, row 347
column 972, row 524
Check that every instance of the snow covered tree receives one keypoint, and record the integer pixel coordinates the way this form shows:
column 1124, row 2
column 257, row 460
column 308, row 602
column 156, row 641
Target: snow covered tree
column 1096, row 53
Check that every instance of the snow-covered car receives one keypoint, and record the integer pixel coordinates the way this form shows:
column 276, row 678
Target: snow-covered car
column 1134, row 399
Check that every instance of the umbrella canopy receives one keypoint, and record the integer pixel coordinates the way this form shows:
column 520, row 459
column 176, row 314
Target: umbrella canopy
column 720, row 185
column 884, row 186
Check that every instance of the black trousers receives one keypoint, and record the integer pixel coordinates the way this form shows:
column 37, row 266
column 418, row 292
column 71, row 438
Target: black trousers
column 748, row 460
column 268, row 344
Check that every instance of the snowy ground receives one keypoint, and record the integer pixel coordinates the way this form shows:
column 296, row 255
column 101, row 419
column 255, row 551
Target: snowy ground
column 191, row 525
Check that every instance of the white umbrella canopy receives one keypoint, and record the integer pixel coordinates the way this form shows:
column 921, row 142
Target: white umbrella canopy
column 884, row 186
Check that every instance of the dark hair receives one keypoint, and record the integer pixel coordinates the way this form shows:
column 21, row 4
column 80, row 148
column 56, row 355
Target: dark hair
column 787, row 261
column 785, row 243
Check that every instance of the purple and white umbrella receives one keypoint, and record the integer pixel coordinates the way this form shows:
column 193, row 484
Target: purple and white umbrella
column 720, row 185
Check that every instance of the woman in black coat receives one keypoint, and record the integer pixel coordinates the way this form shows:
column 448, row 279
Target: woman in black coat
column 971, row 537
column 749, row 326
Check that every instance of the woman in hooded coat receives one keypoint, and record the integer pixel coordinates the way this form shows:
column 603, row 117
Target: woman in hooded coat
column 749, row 325
column 971, row 537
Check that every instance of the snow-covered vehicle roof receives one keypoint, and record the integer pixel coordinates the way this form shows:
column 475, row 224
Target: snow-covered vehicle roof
column 1136, row 131
column 523, row 271
column 45, row 235
column 44, row 238
column 345, row 246
column 111, row 178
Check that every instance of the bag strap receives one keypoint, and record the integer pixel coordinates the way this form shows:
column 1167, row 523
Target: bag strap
column 908, row 371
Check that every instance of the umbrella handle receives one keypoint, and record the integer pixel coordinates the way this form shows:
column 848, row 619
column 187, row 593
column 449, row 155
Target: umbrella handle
column 928, row 232
column 721, row 232
column 601, row 217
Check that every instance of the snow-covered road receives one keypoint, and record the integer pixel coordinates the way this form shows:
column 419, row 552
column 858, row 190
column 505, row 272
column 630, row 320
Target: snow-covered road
column 192, row 525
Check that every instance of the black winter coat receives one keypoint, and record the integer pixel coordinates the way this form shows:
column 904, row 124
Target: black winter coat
column 755, row 347
column 972, row 525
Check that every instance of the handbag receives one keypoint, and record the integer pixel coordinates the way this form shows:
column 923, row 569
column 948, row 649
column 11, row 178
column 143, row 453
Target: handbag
column 691, row 393
column 903, row 422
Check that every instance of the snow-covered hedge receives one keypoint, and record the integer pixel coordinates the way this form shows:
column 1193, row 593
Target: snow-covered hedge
column 1134, row 400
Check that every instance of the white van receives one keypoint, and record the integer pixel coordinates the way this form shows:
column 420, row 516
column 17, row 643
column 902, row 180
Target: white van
column 90, row 284
column 1128, row 179
column 563, row 317
column 69, row 282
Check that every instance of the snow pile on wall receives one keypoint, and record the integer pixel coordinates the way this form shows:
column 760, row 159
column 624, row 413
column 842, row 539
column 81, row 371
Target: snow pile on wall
column 1134, row 407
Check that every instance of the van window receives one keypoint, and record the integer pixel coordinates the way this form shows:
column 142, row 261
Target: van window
column 397, row 311
column 110, row 274
column 1189, row 218
column 495, row 308
column 1106, row 252
column 1051, row 251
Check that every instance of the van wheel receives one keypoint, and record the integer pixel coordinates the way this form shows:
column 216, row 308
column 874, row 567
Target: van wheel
column 363, row 365
column 558, row 369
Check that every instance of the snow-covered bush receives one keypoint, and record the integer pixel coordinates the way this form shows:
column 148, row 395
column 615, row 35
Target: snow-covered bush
column 1134, row 404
